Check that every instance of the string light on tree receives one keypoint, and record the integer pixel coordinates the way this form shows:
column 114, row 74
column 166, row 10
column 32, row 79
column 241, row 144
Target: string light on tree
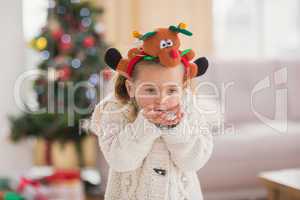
column 86, row 22
column 99, row 28
column 45, row 54
column 66, row 38
column 41, row 43
column 94, row 79
column 76, row 63
column 85, row 12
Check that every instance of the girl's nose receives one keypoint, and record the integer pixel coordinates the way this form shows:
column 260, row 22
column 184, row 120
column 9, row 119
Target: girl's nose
column 161, row 99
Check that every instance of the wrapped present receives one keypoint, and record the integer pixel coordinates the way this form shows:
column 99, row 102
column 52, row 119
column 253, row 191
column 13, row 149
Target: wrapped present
column 30, row 189
column 59, row 184
column 63, row 184
column 12, row 196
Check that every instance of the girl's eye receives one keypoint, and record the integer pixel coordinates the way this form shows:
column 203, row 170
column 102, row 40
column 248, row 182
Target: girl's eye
column 169, row 43
column 163, row 44
column 172, row 91
column 151, row 90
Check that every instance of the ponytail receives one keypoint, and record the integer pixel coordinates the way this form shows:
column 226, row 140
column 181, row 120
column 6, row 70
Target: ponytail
column 120, row 89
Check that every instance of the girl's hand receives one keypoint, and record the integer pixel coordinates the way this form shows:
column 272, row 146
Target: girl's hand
column 170, row 116
column 151, row 114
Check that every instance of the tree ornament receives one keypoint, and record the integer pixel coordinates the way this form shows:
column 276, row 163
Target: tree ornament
column 65, row 47
column 89, row 42
column 41, row 43
column 57, row 34
column 65, row 44
column 64, row 73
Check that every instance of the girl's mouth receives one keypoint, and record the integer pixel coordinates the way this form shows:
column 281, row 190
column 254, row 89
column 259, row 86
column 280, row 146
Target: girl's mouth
column 160, row 109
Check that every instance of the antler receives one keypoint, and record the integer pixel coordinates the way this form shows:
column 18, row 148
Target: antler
column 181, row 28
column 136, row 34
column 182, row 25
column 140, row 36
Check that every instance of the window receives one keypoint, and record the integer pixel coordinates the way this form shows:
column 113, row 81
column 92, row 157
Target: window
column 34, row 17
column 262, row 29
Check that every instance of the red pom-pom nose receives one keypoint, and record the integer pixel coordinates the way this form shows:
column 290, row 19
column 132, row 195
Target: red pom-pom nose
column 174, row 53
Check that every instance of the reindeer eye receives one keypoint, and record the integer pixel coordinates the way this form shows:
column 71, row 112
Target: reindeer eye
column 169, row 43
column 163, row 44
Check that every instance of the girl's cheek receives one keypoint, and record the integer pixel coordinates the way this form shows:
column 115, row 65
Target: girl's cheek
column 144, row 102
column 172, row 102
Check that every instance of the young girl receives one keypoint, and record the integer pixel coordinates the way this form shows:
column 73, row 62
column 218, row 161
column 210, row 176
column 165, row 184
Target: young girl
column 151, row 134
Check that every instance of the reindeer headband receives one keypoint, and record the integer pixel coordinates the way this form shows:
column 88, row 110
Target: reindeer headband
column 161, row 45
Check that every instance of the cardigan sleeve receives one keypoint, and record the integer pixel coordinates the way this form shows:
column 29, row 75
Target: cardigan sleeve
column 124, row 145
column 190, row 143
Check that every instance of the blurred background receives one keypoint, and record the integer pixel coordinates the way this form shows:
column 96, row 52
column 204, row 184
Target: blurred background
column 254, row 51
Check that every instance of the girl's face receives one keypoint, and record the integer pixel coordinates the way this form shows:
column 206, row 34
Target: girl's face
column 157, row 86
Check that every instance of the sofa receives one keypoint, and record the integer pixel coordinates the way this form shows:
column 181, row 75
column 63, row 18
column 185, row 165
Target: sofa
column 260, row 125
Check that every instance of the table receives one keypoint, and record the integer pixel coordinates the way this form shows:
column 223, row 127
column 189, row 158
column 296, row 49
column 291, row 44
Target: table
column 282, row 184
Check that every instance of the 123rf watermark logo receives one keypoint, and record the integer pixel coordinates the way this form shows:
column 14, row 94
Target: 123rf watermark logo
column 279, row 121
column 217, row 110
column 64, row 92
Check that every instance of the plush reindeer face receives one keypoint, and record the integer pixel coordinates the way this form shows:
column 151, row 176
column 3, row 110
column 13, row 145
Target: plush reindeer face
column 164, row 45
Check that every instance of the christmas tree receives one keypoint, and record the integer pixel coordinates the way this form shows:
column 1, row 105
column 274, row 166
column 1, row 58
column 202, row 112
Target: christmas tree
column 72, row 48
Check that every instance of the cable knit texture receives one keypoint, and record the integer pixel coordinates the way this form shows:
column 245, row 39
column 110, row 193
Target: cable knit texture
column 149, row 163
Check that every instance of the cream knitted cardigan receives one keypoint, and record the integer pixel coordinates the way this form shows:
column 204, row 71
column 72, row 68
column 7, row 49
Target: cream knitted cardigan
column 149, row 163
